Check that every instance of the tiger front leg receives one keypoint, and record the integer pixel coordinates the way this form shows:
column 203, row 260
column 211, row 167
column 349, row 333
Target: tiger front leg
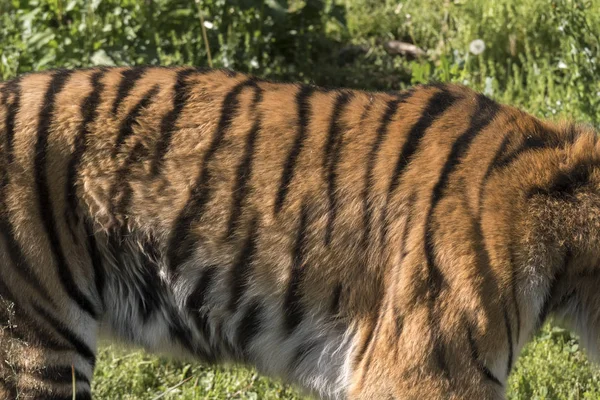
column 397, row 359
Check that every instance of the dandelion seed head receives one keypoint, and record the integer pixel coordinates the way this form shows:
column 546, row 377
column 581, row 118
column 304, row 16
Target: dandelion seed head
column 477, row 47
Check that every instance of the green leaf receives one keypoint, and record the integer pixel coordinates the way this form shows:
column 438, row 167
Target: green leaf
column 40, row 39
column 71, row 5
column 275, row 5
column 101, row 58
column 574, row 348
column 181, row 13
column 94, row 4
column 46, row 60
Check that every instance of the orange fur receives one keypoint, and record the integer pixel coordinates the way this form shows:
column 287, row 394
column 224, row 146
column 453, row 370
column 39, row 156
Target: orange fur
column 434, row 227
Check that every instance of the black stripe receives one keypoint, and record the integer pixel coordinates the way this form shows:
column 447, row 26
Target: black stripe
column 55, row 396
column 121, row 191
column 96, row 260
column 83, row 349
column 370, row 348
column 292, row 305
column 513, row 289
column 335, row 128
column 331, row 159
column 477, row 361
column 483, row 262
column 302, row 351
column 436, row 106
column 240, row 273
column 509, row 339
column 365, row 114
column 373, row 325
column 484, row 113
column 532, row 143
column 129, row 78
column 304, row 114
column 179, row 331
column 223, row 348
column 12, row 87
column 21, row 266
column 398, row 321
column 439, row 355
column 244, row 170
column 150, row 286
column 334, row 308
column 89, row 111
column 181, row 243
column 56, row 374
column 168, row 124
column 565, row 183
column 382, row 132
column 46, row 210
column 493, row 164
column 9, row 386
column 126, row 128
column 551, row 300
column 409, row 205
column 249, row 326
column 197, row 300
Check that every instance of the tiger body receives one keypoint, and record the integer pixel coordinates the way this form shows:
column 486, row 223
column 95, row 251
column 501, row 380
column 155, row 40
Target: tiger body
column 361, row 245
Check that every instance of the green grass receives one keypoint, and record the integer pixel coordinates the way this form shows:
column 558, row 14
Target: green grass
column 551, row 367
column 132, row 375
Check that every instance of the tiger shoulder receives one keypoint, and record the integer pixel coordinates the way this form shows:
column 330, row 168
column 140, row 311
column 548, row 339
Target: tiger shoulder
column 360, row 245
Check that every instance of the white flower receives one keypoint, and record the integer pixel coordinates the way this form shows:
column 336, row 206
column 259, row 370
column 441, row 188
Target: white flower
column 562, row 65
column 208, row 25
column 477, row 46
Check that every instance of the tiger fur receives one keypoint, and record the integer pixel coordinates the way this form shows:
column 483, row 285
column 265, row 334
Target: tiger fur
column 360, row 245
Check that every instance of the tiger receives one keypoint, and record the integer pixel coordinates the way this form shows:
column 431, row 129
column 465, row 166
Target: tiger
column 358, row 245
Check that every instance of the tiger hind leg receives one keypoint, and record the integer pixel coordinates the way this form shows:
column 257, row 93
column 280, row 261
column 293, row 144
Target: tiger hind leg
column 41, row 357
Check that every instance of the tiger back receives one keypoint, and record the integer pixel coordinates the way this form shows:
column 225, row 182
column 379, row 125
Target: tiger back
column 360, row 245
